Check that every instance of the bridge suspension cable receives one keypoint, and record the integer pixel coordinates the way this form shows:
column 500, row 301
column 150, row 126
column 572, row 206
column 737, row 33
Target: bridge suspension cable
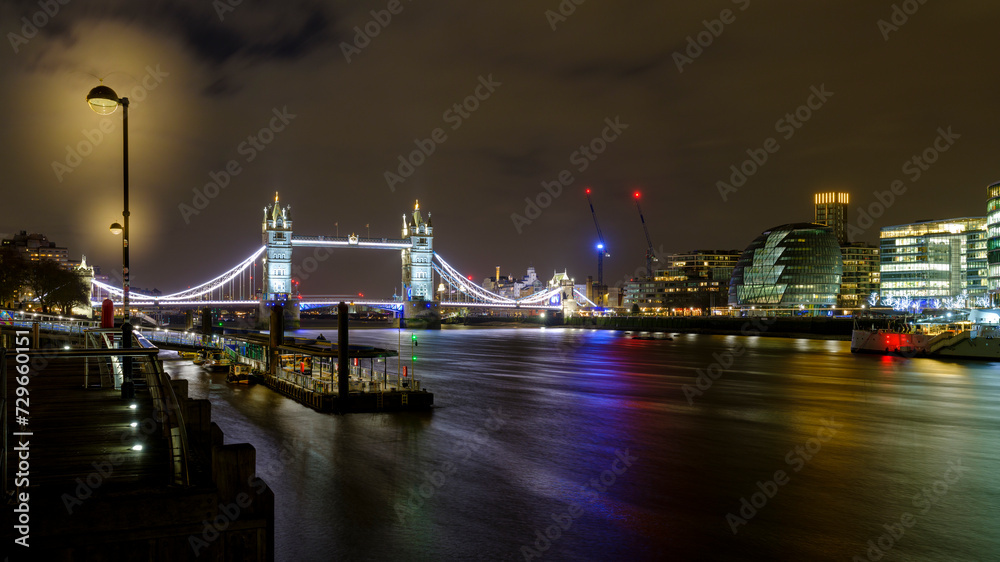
column 454, row 278
column 451, row 276
column 203, row 289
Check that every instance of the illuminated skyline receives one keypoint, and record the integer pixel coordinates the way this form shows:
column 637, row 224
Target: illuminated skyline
column 488, row 105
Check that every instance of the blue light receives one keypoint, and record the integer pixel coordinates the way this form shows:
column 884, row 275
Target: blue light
column 600, row 246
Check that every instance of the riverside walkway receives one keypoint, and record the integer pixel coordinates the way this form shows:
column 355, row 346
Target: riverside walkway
column 87, row 474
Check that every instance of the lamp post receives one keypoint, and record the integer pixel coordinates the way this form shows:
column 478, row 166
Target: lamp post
column 105, row 101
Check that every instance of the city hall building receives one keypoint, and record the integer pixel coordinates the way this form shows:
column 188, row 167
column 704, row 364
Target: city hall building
column 792, row 268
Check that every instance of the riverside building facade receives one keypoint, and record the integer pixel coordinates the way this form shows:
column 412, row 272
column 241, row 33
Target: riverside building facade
column 692, row 283
column 861, row 275
column 830, row 209
column 993, row 240
column 934, row 259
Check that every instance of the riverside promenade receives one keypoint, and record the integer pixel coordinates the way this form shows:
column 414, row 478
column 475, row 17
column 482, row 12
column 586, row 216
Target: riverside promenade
column 88, row 475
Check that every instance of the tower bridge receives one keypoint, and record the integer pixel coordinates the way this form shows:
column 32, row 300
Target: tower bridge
column 236, row 288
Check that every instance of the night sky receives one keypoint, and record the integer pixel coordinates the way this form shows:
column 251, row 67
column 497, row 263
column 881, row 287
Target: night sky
column 204, row 76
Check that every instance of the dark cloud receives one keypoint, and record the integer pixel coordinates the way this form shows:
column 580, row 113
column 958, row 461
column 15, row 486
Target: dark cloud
column 356, row 117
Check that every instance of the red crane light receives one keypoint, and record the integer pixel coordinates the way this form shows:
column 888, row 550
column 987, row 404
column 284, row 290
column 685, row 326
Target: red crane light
column 636, row 194
column 588, row 190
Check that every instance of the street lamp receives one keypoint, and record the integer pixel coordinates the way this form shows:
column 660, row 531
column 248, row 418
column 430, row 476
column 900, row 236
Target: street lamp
column 104, row 101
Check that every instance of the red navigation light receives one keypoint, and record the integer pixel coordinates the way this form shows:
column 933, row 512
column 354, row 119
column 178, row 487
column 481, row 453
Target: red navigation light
column 470, row 278
column 588, row 191
column 636, row 195
column 361, row 294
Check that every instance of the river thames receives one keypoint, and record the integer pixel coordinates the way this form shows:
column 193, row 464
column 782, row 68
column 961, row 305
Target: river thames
column 563, row 444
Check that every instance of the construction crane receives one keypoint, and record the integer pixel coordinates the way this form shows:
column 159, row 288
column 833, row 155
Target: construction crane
column 602, row 251
column 650, row 257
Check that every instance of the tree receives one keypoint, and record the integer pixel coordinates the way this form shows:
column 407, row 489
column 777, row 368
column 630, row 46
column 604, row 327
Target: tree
column 13, row 274
column 53, row 285
column 72, row 292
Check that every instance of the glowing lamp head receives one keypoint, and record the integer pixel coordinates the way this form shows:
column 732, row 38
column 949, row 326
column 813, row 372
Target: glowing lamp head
column 103, row 100
column 588, row 191
column 600, row 246
column 636, row 195
column 116, row 229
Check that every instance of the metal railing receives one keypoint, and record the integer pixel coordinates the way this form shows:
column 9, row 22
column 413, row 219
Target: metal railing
column 361, row 380
column 27, row 319
column 163, row 335
column 169, row 411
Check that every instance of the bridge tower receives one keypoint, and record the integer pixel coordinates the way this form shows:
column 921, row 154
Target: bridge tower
column 418, row 281
column 277, row 236
column 418, row 275
column 276, row 231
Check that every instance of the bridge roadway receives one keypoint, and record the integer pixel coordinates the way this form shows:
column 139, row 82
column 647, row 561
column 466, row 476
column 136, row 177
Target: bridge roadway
column 319, row 301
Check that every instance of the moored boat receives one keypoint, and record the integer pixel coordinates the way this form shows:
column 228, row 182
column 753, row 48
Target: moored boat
column 218, row 361
column 200, row 357
column 240, row 374
column 975, row 338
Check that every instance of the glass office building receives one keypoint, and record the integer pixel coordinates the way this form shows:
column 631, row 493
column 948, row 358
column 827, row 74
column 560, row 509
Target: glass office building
column 934, row 259
column 792, row 266
column 993, row 239
column 861, row 274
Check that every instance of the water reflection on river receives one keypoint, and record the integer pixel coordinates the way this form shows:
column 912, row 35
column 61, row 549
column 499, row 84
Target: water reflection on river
column 540, row 429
